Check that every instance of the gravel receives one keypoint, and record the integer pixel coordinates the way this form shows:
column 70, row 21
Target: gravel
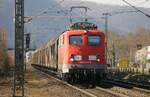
column 130, row 92
column 38, row 85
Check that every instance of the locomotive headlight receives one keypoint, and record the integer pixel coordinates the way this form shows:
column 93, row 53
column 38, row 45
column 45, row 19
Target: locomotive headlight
column 71, row 59
column 98, row 60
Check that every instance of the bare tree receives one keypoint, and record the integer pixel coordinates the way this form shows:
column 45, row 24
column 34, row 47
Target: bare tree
column 126, row 43
column 4, row 64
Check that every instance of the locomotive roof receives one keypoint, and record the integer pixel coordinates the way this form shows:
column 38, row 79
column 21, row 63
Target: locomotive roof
column 83, row 26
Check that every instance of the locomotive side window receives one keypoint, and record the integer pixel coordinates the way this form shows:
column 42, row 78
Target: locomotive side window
column 61, row 41
column 75, row 40
column 94, row 40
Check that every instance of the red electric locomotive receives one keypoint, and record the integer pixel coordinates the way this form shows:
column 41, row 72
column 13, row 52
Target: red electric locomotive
column 77, row 54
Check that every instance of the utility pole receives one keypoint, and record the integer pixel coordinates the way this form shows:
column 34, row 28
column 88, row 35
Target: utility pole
column 18, row 88
column 114, row 55
column 106, row 32
column 106, row 15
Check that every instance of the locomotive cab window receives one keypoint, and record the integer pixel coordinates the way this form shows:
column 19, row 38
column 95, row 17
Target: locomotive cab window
column 75, row 40
column 94, row 40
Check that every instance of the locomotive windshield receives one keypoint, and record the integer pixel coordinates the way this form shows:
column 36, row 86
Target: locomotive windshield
column 94, row 40
column 83, row 26
column 76, row 40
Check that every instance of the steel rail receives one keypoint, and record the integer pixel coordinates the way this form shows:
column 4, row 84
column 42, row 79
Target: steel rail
column 87, row 92
column 74, row 87
column 126, row 85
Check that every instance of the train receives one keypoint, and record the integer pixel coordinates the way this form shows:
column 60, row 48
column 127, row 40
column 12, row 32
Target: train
column 77, row 54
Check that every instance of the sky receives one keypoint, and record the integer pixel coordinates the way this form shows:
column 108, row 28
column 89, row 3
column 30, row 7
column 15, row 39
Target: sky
column 33, row 9
column 139, row 3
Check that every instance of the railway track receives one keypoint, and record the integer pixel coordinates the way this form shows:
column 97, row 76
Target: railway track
column 101, row 92
column 93, row 92
column 127, row 89
column 139, row 85
column 136, row 86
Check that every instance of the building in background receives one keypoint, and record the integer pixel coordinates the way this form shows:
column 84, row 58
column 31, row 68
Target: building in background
column 2, row 38
column 142, row 57
column 3, row 49
column 2, row 43
column 5, row 53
